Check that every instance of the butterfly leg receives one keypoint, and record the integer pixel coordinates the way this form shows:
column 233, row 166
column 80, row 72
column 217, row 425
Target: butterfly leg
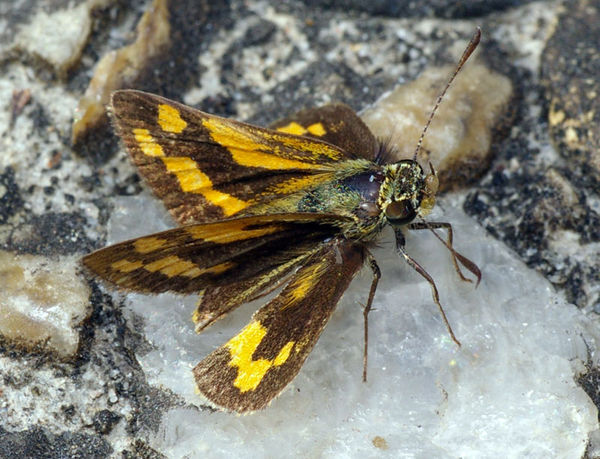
column 376, row 276
column 400, row 241
column 456, row 257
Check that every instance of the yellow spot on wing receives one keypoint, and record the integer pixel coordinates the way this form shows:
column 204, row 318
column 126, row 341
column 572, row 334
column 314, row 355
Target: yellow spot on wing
column 193, row 180
column 231, row 231
column 216, row 269
column 177, row 268
column 316, row 129
column 296, row 129
column 302, row 289
column 253, row 158
column 170, row 119
column 292, row 128
column 148, row 244
column 264, row 149
column 147, row 143
column 228, row 203
column 284, row 354
column 304, row 284
column 172, row 266
column 179, row 163
column 126, row 266
column 242, row 347
column 162, row 263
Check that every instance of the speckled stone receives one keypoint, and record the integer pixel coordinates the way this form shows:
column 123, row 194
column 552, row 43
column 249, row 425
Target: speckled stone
column 258, row 61
column 570, row 75
column 43, row 303
column 541, row 196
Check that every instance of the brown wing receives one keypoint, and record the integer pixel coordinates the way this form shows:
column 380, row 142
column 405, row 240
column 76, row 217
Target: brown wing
column 336, row 124
column 253, row 367
column 205, row 167
column 217, row 301
column 194, row 257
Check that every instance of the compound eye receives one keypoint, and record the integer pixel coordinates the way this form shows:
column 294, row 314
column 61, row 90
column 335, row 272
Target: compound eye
column 400, row 212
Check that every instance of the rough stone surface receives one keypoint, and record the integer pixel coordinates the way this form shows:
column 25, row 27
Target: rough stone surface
column 541, row 195
column 37, row 443
column 121, row 68
column 43, row 302
column 128, row 392
column 571, row 65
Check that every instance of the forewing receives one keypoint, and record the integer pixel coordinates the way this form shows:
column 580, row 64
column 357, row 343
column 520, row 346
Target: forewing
column 336, row 124
column 194, row 257
column 253, row 367
column 205, row 167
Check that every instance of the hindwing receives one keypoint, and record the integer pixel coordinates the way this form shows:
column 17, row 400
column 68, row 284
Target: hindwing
column 254, row 366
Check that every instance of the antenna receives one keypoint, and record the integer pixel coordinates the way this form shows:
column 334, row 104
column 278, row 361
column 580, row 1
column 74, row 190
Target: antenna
column 466, row 53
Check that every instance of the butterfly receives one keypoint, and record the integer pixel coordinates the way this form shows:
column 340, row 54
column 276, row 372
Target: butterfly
column 293, row 207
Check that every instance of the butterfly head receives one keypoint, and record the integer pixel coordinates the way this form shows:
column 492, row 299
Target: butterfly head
column 408, row 192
